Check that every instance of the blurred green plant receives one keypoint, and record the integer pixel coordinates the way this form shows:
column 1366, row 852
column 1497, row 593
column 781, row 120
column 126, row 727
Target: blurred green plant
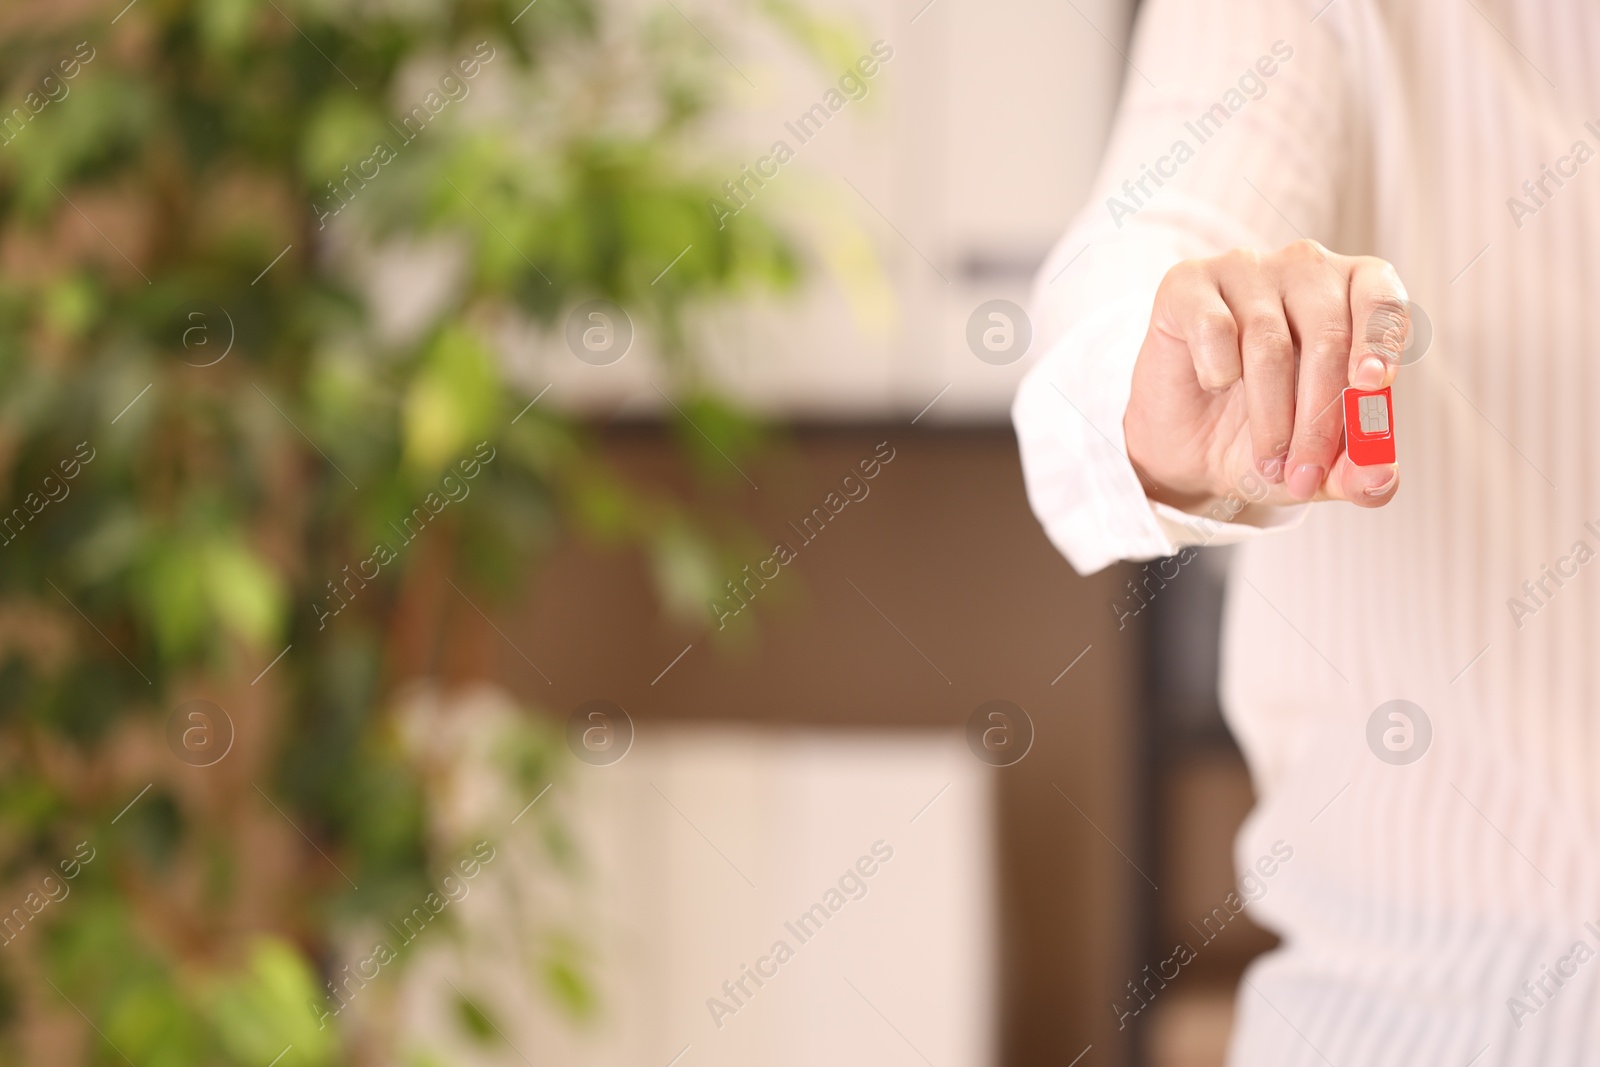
column 207, row 423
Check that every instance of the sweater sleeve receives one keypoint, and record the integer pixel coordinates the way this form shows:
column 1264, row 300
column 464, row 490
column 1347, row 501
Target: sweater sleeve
column 1231, row 133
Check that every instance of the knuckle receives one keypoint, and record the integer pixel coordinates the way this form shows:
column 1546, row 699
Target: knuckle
column 1274, row 430
column 1380, row 269
column 1215, row 330
column 1185, row 272
column 1333, row 339
column 1242, row 259
column 1267, row 336
column 1314, row 440
column 1186, row 284
column 1304, row 250
column 1388, row 325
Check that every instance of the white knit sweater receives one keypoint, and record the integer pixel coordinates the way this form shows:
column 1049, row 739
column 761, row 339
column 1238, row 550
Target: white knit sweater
column 1433, row 910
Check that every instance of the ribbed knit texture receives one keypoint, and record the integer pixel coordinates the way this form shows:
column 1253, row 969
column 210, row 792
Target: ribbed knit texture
column 1420, row 897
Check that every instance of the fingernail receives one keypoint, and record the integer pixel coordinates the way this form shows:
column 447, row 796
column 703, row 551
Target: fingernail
column 1272, row 469
column 1386, row 485
column 1370, row 373
column 1304, row 481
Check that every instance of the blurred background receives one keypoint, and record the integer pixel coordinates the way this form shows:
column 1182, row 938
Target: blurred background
column 513, row 549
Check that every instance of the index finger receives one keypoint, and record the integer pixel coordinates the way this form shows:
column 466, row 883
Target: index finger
column 1382, row 325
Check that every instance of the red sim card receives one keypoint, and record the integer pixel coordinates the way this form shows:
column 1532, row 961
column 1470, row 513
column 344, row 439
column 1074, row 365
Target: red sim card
column 1368, row 426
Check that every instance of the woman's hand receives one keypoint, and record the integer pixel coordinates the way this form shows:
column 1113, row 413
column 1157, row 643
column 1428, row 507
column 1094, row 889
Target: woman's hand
column 1243, row 370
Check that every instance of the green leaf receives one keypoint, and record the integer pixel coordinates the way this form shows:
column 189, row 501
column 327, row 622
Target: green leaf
column 276, row 1001
column 452, row 403
column 569, row 986
column 244, row 591
column 474, row 1021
